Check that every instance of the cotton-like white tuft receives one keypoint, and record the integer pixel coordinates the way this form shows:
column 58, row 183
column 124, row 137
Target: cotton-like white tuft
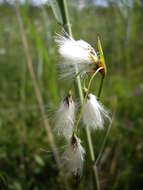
column 75, row 53
column 73, row 157
column 94, row 113
column 65, row 118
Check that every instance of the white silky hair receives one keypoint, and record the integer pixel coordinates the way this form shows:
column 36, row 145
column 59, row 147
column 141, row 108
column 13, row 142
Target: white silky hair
column 94, row 113
column 74, row 53
column 65, row 118
column 73, row 158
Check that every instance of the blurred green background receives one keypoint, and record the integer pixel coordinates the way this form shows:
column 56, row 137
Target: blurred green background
column 23, row 163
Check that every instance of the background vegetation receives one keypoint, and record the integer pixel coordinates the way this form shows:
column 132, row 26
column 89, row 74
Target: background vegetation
column 23, row 163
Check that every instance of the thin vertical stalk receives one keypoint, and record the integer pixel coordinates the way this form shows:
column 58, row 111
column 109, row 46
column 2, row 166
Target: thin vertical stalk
column 65, row 16
column 67, row 27
column 90, row 145
column 40, row 64
column 103, row 144
column 38, row 94
column 35, row 84
column 97, row 177
column 95, row 165
column 100, row 87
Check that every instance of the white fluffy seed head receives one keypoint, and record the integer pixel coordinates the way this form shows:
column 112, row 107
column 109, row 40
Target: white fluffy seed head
column 94, row 113
column 74, row 53
column 65, row 118
column 73, row 157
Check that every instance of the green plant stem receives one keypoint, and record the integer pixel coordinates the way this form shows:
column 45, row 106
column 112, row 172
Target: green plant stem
column 103, row 144
column 67, row 27
column 100, row 87
column 97, row 177
column 108, row 130
column 65, row 16
column 84, row 101
column 94, row 163
column 90, row 145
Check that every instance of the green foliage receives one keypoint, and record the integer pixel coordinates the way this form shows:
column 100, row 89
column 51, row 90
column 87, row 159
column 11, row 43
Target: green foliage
column 56, row 9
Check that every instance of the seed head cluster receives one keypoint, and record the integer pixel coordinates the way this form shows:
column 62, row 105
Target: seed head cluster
column 81, row 55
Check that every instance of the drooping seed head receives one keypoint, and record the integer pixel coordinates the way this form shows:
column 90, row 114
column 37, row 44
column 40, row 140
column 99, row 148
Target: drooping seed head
column 65, row 117
column 94, row 113
column 73, row 157
column 75, row 53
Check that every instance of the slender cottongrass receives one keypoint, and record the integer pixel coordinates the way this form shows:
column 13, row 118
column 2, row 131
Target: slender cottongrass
column 78, row 59
column 92, row 111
